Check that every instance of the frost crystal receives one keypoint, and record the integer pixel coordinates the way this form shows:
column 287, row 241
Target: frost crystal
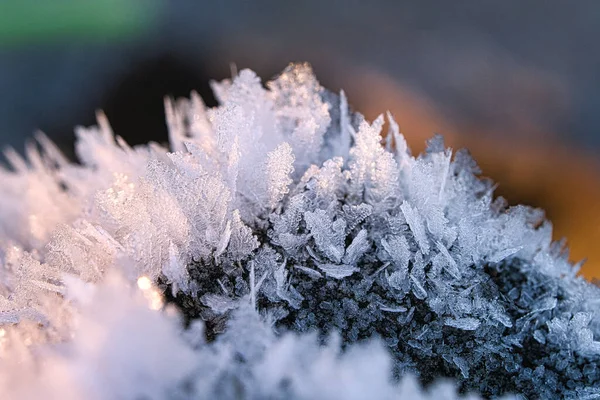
column 282, row 248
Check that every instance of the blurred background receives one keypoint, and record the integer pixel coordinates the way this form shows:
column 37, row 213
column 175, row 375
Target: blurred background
column 516, row 82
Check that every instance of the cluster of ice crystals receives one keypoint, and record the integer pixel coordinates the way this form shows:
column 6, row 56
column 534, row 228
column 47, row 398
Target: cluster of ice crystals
column 309, row 256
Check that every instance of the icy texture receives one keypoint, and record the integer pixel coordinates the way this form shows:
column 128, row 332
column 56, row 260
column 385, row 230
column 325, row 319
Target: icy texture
column 120, row 349
column 309, row 257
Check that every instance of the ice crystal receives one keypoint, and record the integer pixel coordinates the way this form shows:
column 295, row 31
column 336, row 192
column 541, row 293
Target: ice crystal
column 281, row 248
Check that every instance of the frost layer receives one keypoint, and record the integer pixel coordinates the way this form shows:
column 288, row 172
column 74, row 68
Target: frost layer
column 307, row 258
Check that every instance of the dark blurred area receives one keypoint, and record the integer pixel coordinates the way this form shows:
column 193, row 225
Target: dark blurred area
column 514, row 81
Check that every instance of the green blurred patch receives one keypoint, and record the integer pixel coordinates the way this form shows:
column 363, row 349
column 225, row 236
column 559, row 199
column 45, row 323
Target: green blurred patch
column 35, row 21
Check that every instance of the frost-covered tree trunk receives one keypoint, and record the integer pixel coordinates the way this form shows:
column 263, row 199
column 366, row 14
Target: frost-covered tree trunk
column 281, row 248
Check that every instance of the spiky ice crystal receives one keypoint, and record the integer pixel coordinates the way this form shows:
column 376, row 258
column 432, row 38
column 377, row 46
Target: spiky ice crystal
column 279, row 249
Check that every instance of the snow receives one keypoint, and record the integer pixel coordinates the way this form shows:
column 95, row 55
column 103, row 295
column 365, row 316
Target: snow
column 280, row 248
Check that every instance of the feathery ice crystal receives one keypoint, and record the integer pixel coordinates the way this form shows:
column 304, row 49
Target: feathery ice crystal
column 280, row 250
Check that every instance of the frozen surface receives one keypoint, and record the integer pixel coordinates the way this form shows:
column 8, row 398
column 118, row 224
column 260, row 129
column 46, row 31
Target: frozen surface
column 281, row 248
